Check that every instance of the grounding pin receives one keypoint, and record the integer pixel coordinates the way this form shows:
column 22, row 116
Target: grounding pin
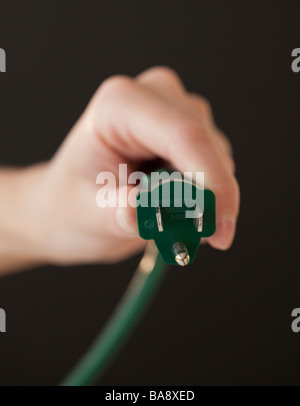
column 181, row 254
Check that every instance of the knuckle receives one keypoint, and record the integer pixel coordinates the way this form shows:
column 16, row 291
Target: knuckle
column 191, row 132
column 202, row 104
column 116, row 85
column 231, row 164
column 224, row 140
column 164, row 73
column 187, row 136
column 229, row 187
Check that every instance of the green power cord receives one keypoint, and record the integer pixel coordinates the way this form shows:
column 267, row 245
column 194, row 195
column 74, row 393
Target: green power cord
column 176, row 231
column 128, row 312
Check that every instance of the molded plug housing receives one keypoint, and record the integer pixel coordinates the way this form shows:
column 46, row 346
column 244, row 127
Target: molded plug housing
column 172, row 213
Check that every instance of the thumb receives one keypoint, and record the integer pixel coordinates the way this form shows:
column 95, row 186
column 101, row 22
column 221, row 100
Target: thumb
column 126, row 217
column 126, row 220
column 117, row 211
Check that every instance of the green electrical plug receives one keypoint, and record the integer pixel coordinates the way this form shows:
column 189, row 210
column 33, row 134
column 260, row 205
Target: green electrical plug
column 171, row 212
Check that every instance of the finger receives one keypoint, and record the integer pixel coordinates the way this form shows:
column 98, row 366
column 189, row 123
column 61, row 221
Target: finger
column 203, row 110
column 224, row 142
column 126, row 216
column 119, row 223
column 139, row 123
column 118, row 211
column 166, row 83
column 225, row 148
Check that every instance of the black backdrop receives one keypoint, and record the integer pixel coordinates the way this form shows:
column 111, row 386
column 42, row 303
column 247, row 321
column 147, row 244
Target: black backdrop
column 227, row 319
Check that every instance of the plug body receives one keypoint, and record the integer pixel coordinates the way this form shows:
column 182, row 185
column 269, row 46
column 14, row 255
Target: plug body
column 176, row 215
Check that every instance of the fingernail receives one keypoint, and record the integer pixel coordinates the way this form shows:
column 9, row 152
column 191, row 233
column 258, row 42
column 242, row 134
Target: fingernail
column 124, row 222
column 224, row 235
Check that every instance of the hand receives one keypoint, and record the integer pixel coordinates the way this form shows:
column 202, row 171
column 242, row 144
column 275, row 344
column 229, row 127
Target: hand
column 129, row 121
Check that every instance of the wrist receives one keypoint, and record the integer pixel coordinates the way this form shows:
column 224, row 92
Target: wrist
column 21, row 233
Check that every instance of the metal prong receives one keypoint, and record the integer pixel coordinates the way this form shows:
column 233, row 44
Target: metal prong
column 181, row 254
column 159, row 219
column 198, row 220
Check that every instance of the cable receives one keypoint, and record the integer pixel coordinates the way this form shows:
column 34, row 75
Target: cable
column 119, row 326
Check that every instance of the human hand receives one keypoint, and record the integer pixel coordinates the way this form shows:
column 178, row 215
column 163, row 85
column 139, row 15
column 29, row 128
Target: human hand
column 130, row 121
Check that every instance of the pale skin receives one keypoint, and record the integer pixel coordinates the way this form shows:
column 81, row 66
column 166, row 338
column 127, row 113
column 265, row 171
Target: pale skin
column 48, row 211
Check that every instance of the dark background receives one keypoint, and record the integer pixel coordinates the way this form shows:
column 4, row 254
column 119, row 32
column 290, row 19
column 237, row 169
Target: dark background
column 226, row 320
